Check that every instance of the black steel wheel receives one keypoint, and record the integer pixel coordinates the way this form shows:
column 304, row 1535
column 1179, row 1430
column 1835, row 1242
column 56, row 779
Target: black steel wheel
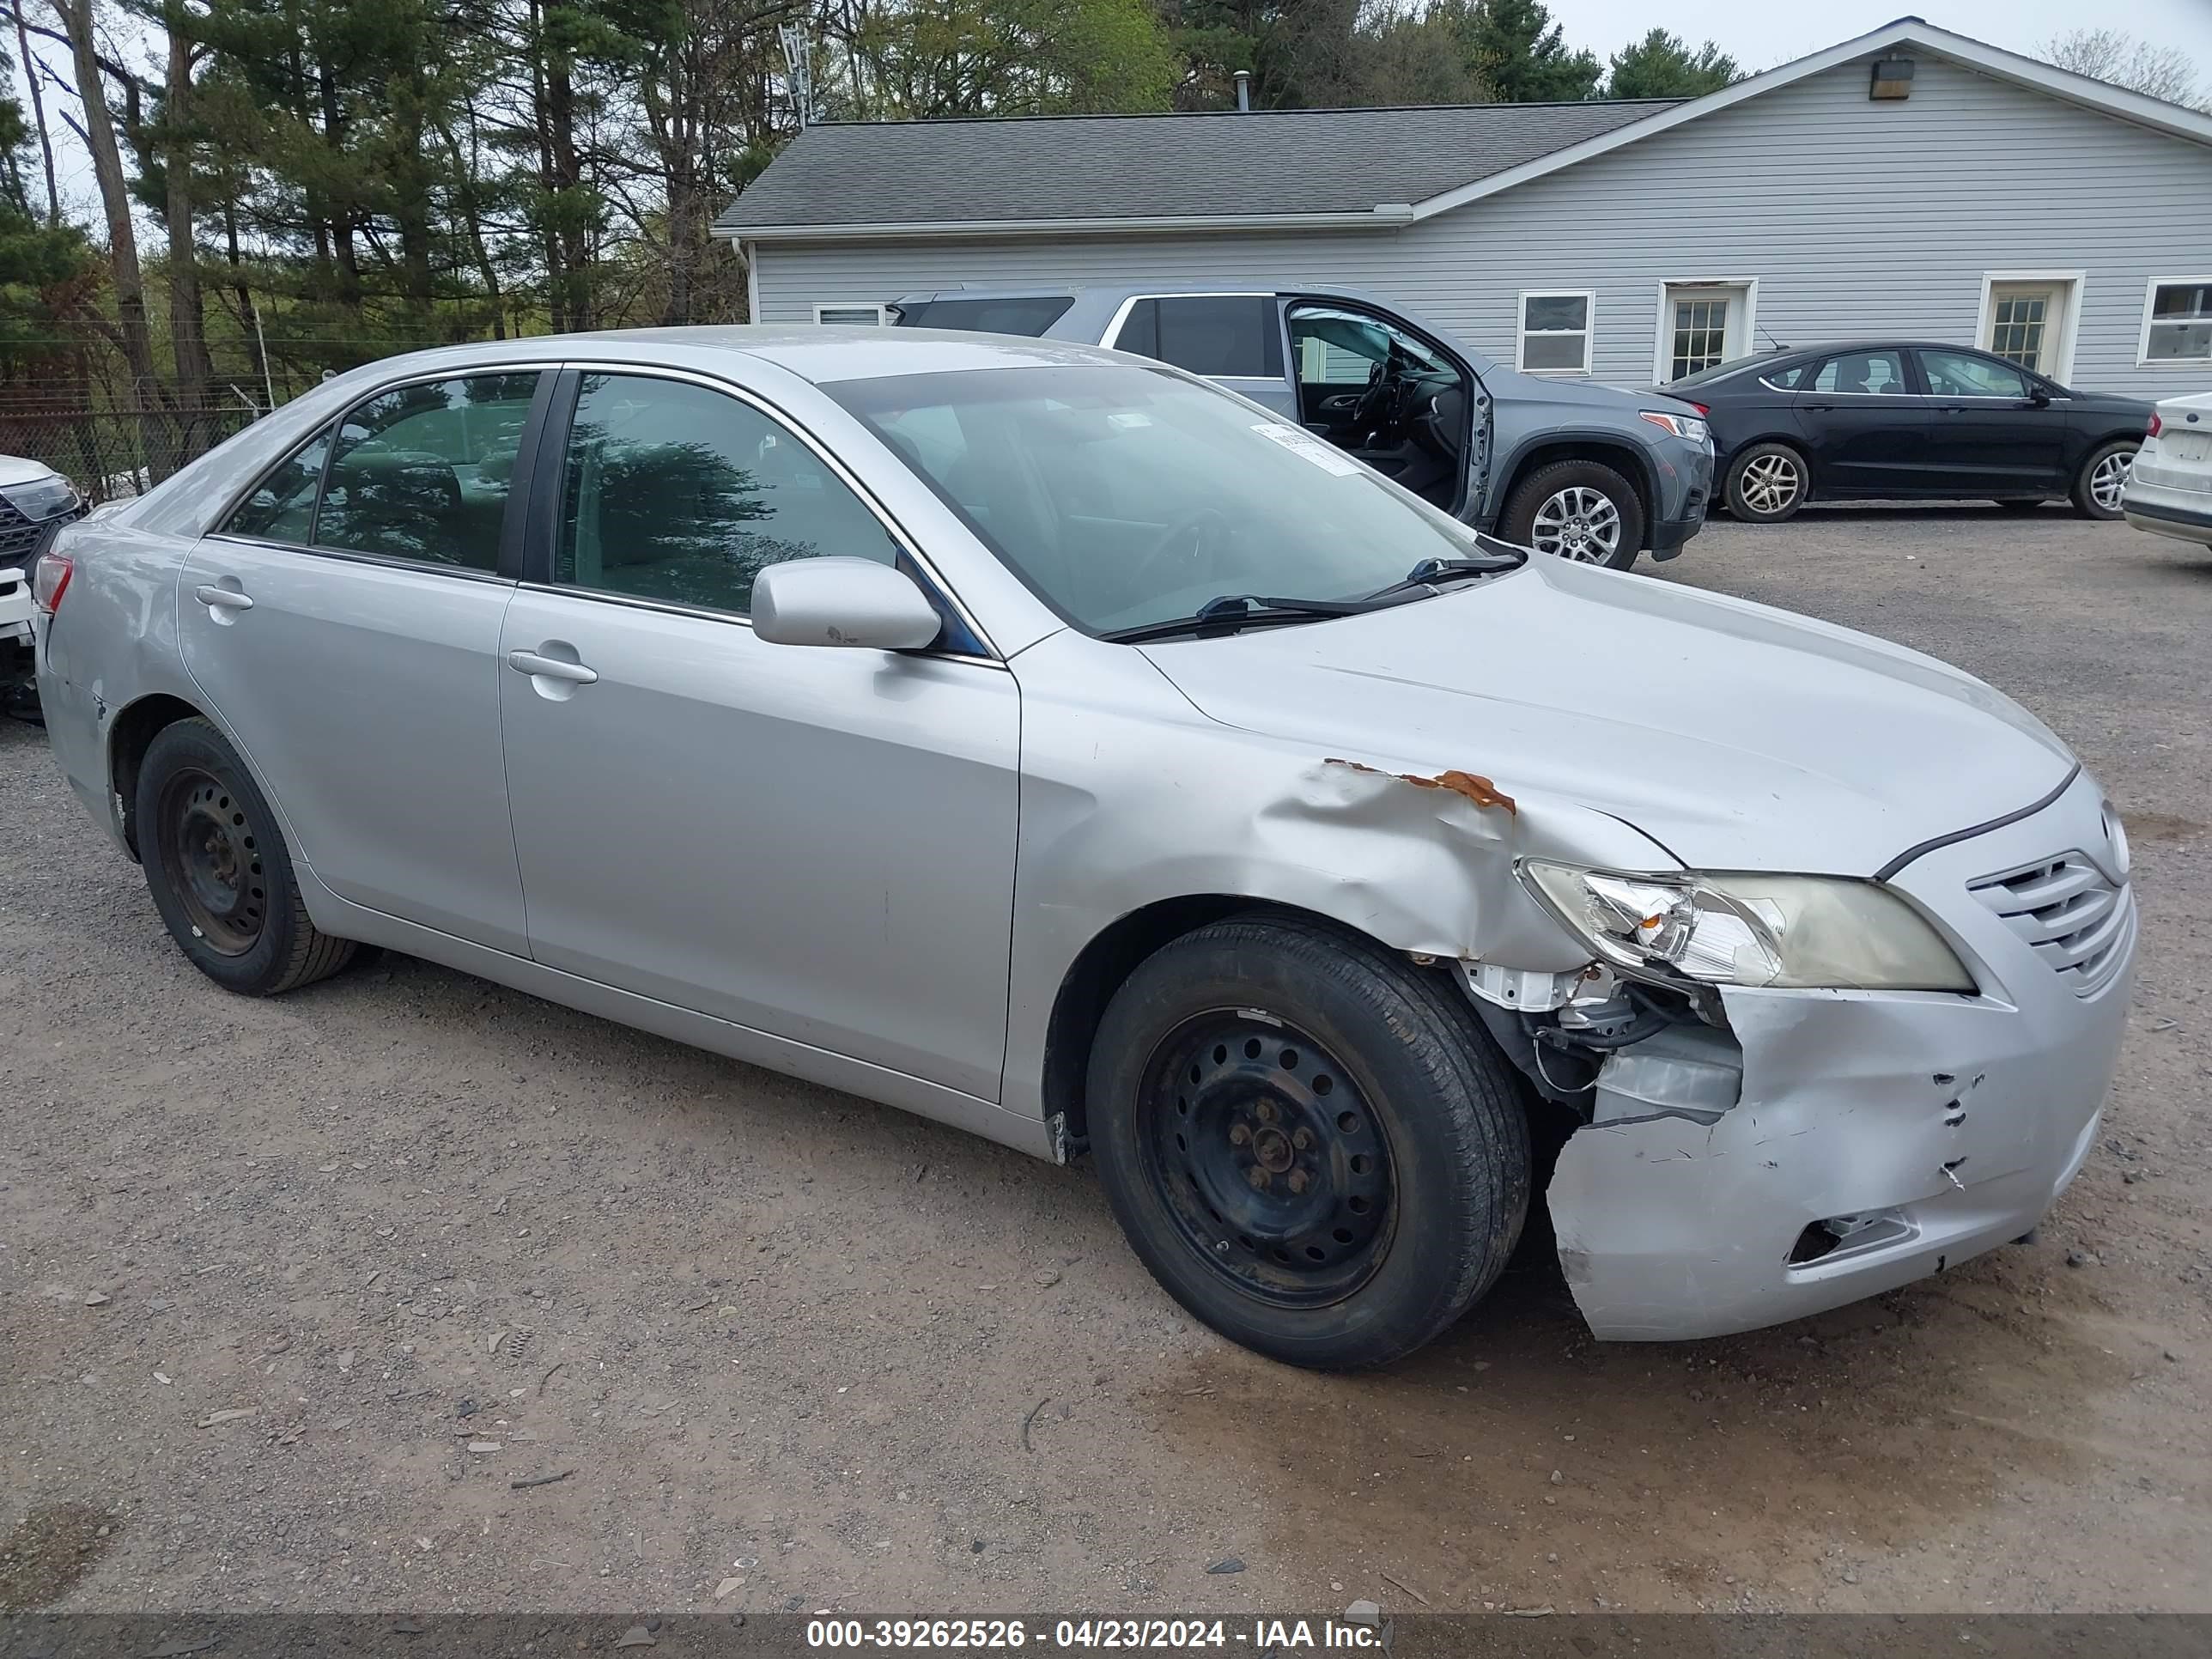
column 218, row 869
column 209, row 851
column 1266, row 1153
column 1313, row 1144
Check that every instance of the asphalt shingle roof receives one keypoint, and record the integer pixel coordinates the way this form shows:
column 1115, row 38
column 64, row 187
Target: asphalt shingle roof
column 1126, row 166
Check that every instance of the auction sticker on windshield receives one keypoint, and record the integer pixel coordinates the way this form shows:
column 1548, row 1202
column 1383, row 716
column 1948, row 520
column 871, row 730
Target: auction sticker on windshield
column 1299, row 442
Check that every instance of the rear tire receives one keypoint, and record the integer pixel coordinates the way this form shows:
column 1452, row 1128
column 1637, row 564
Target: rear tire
column 1389, row 1131
column 218, row 871
column 1579, row 510
column 1767, row 484
column 2097, row 486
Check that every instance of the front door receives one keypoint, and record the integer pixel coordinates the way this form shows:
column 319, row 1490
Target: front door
column 1865, row 425
column 1990, row 428
column 814, row 842
column 1704, row 326
column 352, row 649
column 2026, row 323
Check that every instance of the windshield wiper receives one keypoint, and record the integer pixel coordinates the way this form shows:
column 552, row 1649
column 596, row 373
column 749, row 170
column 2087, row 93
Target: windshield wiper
column 1431, row 572
column 1229, row 612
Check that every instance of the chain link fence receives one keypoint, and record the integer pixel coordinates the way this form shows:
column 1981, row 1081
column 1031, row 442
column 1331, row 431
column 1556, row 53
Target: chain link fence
column 109, row 452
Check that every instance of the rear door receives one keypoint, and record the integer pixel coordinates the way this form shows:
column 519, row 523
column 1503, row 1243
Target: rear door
column 344, row 625
column 1988, row 431
column 1234, row 338
column 1865, row 423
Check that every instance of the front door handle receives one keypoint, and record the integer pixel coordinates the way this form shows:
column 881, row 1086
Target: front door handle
column 222, row 599
column 551, row 668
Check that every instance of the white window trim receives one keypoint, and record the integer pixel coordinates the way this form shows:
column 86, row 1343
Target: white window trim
column 882, row 313
column 2143, row 359
column 2077, row 283
column 1588, row 330
column 1662, row 341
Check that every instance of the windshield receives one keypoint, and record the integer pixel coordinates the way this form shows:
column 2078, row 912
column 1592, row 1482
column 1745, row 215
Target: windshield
column 1125, row 497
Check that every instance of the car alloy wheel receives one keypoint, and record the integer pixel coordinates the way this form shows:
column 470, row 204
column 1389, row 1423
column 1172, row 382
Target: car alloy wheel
column 213, row 861
column 1577, row 523
column 1769, row 482
column 1262, row 1149
column 2109, row 477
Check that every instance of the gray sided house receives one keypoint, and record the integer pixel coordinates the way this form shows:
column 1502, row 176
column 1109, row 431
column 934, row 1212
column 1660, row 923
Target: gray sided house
column 1908, row 183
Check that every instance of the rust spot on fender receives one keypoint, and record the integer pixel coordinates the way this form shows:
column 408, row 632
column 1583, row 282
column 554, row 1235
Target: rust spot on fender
column 1480, row 790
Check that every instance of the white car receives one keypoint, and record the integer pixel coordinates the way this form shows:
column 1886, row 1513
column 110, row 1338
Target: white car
column 2169, row 492
column 33, row 497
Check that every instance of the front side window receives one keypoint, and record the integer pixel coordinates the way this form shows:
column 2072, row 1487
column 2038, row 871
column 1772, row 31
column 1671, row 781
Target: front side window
column 423, row 471
column 1555, row 332
column 1860, row 374
column 1955, row 374
column 2178, row 328
column 676, row 492
column 1124, row 497
column 281, row 508
column 1225, row 336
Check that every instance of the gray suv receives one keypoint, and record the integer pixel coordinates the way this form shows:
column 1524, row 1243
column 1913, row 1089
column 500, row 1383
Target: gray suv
column 1587, row 472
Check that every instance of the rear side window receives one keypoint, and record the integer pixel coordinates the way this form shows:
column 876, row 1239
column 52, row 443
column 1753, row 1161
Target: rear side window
column 281, row 508
column 1032, row 315
column 423, row 471
column 1861, row 374
column 1785, row 379
column 1228, row 336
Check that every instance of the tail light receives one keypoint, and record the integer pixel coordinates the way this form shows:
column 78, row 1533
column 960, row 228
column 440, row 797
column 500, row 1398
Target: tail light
column 2156, row 427
column 50, row 580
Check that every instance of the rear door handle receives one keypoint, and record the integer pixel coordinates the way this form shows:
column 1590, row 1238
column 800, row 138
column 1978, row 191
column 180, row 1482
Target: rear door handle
column 551, row 668
column 224, row 598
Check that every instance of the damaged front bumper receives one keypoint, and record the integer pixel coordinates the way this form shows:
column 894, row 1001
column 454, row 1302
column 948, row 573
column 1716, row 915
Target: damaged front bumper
column 1878, row 1137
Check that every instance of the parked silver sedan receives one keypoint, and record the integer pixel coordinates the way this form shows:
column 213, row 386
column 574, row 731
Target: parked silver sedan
column 1045, row 741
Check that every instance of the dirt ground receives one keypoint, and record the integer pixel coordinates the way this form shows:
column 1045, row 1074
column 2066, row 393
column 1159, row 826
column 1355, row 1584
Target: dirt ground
column 293, row 1293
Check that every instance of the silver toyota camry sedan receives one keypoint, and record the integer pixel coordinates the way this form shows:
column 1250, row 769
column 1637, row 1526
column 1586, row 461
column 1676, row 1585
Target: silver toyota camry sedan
column 1043, row 740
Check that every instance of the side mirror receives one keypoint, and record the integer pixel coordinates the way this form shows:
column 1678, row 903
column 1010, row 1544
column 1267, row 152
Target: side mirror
column 2038, row 397
column 842, row 601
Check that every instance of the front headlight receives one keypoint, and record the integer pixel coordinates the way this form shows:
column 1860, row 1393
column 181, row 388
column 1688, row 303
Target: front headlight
column 1745, row 928
column 1682, row 425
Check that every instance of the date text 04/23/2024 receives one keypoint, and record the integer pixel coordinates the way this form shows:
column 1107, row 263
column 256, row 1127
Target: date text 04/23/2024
column 1259, row 1635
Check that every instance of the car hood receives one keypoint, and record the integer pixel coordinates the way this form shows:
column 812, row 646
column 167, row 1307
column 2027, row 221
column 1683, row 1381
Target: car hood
column 18, row 470
column 1736, row 736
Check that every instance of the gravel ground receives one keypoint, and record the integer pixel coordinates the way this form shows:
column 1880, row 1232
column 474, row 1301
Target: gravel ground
column 293, row 1294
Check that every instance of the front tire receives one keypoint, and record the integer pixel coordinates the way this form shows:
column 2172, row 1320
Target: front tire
column 1314, row 1146
column 218, row 871
column 1579, row 510
column 2097, row 486
column 1767, row 484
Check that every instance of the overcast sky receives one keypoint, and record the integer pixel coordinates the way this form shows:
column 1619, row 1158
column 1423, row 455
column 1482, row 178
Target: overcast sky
column 1758, row 34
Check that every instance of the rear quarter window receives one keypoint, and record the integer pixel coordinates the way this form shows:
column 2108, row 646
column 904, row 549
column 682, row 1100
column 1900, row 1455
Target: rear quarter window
column 1030, row 316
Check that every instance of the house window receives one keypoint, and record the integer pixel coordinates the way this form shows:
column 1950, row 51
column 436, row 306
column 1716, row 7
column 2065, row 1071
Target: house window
column 850, row 316
column 1555, row 331
column 2178, row 321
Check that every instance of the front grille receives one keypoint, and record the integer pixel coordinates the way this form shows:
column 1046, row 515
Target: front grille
column 21, row 538
column 2069, row 913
